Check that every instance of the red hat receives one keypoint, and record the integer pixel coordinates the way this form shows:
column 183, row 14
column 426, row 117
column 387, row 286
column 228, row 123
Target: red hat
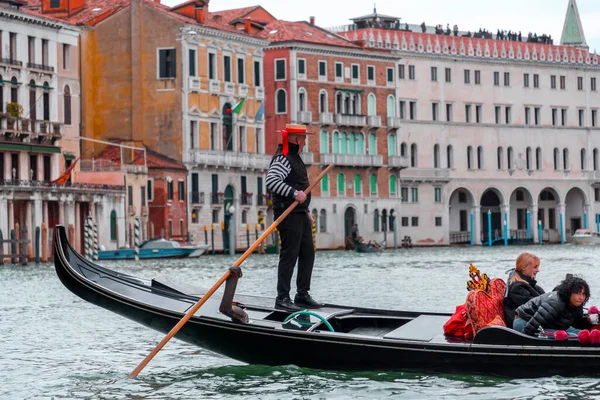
column 292, row 129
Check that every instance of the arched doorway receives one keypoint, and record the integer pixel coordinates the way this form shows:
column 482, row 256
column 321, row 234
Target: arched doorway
column 227, row 216
column 227, row 128
column 575, row 211
column 349, row 221
column 548, row 202
column 491, row 202
column 460, row 205
column 520, row 202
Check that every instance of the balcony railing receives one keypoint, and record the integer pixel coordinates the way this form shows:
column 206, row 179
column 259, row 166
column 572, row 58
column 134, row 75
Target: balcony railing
column 10, row 61
column 131, row 210
column 229, row 88
column 350, row 120
column 325, row 118
column 304, row 117
column 104, row 165
column 144, row 211
column 45, row 185
column 242, row 90
column 194, row 83
column 397, row 161
column 246, row 199
column 42, row 131
column 261, row 200
column 374, row 120
column 359, row 160
column 393, row 122
column 426, row 173
column 307, row 158
column 197, row 197
column 214, row 86
column 259, row 93
column 40, row 67
column 230, row 159
column 217, row 198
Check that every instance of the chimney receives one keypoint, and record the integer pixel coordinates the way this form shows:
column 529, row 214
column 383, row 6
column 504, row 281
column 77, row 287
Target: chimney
column 157, row 1
column 247, row 25
column 198, row 13
column 217, row 18
column 312, row 20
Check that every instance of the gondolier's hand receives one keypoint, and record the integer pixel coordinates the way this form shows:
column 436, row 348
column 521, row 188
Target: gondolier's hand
column 299, row 196
column 311, row 218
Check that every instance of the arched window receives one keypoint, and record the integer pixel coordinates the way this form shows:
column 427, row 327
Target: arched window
column 14, row 90
column 566, row 163
column 339, row 103
column 480, row 157
column 325, row 184
column 372, row 144
column 383, row 220
column 403, row 150
column 324, row 142
column 356, row 105
column 391, row 106
column 371, row 105
column 538, row 158
column 413, row 155
column 510, row 158
column 335, row 143
column 113, row 225
column 556, row 159
column 323, row 221
column 360, row 146
column 583, row 160
column 67, row 105
column 595, row 159
column 351, row 144
column 341, row 186
column 528, row 158
column 357, row 184
column 343, row 143
column 373, row 184
column 392, row 185
column 391, row 145
column 500, row 154
column 32, row 100
column 227, row 128
column 469, row 157
column 436, row 155
column 449, row 157
column 46, row 101
column 301, row 99
column 323, row 106
column 280, row 101
column 376, row 220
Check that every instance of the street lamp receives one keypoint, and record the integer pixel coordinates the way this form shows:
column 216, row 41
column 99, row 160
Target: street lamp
column 232, row 230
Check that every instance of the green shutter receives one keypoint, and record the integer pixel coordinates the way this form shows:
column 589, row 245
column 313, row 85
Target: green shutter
column 373, row 184
column 372, row 144
column 335, row 143
column 357, row 184
column 344, row 143
column 392, row 184
column 341, row 189
column 391, row 145
column 391, row 106
column 324, row 146
column 325, row 184
column 351, row 144
column 361, row 144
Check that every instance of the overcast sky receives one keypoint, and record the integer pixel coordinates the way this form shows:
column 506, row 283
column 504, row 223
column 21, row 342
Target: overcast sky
column 541, row 16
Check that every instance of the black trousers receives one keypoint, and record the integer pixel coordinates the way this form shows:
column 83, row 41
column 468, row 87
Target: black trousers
column 296, row 245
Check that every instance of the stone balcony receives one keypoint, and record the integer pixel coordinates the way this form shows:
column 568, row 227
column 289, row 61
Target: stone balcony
column 214, row 86
column 352, row 160
column 45, row 186
column 197, row 197
column 425, row 174
column 374, row 121
column 11, row 62
column 242, row 90
column 398, row 162
column 393, row 122
column 230, row 159
column 41, row 67
column 326, row 118
column 304, row 117
column 307, row 158
column 229, row 88
column 30, row 131
column 259, row 93
column 350, row 120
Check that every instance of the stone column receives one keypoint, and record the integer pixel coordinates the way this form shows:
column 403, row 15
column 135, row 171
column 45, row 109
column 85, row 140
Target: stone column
column 534, row 223
column 30, row 228
column 561, row 230
column 11, row 215
column 506, row 215
column 61, row 212
column 477, row 224
column 4, row 220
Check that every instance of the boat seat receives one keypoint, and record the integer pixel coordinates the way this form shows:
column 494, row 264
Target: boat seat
column 421, row 329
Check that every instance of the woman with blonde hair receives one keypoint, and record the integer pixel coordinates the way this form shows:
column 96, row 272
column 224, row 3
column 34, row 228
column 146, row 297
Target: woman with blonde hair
column 521, row 285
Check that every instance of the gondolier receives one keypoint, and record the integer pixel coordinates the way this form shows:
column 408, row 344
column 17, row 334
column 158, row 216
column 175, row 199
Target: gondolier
column 287, row 179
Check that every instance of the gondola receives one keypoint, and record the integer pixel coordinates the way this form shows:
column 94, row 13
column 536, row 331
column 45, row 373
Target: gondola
column 367, row 248
column 333, row 337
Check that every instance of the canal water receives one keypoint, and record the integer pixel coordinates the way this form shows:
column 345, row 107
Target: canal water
column 55, row 346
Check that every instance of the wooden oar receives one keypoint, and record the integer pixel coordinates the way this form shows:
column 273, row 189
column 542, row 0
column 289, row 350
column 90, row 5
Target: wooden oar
column 213, row 289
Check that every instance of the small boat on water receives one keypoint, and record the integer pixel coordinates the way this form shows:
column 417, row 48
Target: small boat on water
column 154, row 248
column 586, row 236
column 369, row 247
column 332, row 337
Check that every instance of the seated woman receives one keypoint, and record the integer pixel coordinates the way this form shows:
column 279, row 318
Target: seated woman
column 557, row 310
column 521, row 285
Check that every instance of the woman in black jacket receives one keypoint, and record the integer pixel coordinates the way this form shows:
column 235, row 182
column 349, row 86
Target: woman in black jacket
column 521, row 285
column 556, row 310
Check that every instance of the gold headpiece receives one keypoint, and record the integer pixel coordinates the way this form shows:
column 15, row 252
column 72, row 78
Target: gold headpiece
column 477, row 280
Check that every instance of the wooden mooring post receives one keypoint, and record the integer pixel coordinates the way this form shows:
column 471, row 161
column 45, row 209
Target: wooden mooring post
column 18, row 244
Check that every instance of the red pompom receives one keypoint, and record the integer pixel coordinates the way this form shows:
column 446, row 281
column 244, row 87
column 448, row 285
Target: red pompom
column 584, row 336
column 593, row 310
column 595, row 336
column 560, row 335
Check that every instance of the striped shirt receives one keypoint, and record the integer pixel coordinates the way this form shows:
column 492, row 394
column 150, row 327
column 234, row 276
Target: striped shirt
column 279, row 170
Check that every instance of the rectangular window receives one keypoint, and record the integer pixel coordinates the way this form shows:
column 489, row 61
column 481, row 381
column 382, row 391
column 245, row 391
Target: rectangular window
column 31, row 49
column 240, row 70
column 193, row 134
column 448, row 74
column 467, row 76
column 552, row 218
column 496, row 78
column 227, row 68
column 580, row 83
column 402, row 110
column 66, row 56
column 401, row 72
column 411, row 72
column 596, row 194
column 404, row 221
column 526, row 80
column 477, row 77
column 404, row 195
column 438, row 221
column 563, row 82
column 536, row 81
column 370, row 74
column 552, row 81
column 593, row 84
column 414, row 192
column 390, row 75
column 302, row 67
column 181, row 190
column 554, row 116
column 478, row 114
column 437, row 194
column 536, row 115
column 45, row 54
column 215, row 216
column 414, row 221
column 166, row 64
column 434, row 111
column 355, row 72
column 130, row 196
column 339, row 70
column 54, row 3
column 212, row 66
column 497, row 114
column 467, row 113
column 322, row 69
column 280, row 70
column 413, row 110
column 143, row 195
column 257, row 70
column 170, row 190
column 507, row 115
column 195, row 216
column 433, row 74
column 448, row 112
column 594, row 118
column 563, row 117
column 527, row 115
column 192, row 62
column 581, row 117
column 507, row 79
column 150, row 189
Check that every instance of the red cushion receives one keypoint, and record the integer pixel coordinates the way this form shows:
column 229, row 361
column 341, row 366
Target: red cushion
column 497, row 322
column 485, row 308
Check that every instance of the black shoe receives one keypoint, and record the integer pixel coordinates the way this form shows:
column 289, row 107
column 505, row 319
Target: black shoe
column 286, row 305
column 305, row 301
